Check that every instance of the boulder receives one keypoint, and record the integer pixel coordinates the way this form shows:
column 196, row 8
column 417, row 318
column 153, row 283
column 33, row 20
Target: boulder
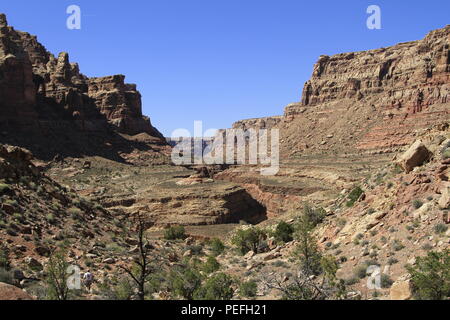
column 444, row 201
column 33, row 263
column 42, row 251
column 109, row 261
column 401, row 290
column 9, row 292
column 416, row 155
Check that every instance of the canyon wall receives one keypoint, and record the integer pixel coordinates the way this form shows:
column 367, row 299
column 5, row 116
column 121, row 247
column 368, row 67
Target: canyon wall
column 368, row 102
column 41, row 92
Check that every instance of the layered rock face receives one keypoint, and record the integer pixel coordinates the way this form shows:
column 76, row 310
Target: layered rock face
column 372, row 101
column 258, row 123
column 41, row 90
column 380, row 97
column 17, row 90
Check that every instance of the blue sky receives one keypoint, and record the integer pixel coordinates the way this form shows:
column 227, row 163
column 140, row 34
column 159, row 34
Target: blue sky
column 218, row 61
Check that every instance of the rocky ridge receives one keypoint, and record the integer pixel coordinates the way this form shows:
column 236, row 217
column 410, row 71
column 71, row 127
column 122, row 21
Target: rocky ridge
column 47, row 95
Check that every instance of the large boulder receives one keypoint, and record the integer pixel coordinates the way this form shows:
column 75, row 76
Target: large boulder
column 401, row 289
column 416, row 156
column 444, row 201
column 9, row 292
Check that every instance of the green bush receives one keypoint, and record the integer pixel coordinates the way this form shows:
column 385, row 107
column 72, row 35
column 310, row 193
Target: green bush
column 211, row 265
column 386, row 281
column 446, row 154
column 397, row 245
column 354, row 195
column 175, row 233
column 50, row 218
column 312, row 216
column 307, row 250
column 431, row 276
column 284, row 232
column 218, row 287
column 196, row 250
column 185, row 283
column 248, row 289
column 4, row 188
column 75, row 213
column 4, row 258
column 361, row 271
column 249, row 240
column 217, row 247
column 352, row 281
column 440, row 228
column 417, row 204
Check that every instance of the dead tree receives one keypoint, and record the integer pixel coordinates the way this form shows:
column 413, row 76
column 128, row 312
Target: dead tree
column 143, row 268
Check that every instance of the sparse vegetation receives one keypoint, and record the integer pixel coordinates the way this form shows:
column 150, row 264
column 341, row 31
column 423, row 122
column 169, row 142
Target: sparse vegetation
column 284, row 232
column 4, row 188
column 354, row 196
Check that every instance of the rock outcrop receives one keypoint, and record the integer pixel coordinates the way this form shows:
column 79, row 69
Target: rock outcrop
column 43, row 93
column 368, row 102
column 9, row 292
column 258, row 123
column 416, row 155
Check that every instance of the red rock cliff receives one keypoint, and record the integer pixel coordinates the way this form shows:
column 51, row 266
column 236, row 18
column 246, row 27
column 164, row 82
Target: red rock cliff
column 36, row 88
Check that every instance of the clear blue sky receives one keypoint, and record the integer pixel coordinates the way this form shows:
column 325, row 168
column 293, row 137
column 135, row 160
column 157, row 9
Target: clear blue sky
column 218, row 60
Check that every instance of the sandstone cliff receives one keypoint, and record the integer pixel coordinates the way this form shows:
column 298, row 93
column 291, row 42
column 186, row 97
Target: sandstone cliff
column 43, row 93
column 371, row 101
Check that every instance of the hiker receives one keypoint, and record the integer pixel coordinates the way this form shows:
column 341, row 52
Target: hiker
column 88, row 280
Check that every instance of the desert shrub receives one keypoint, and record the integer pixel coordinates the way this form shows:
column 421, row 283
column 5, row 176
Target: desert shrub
column 386, row 281
column 446, row 154
column 354, row 195
column 249, row 240
column 175, row 233
column 248, row 289
column 307, row 251
column 75, row 213
column 392, row 261
column 123, row 290
column 440, row 228
column 312, row 216
column 37, row 290
column 352, row 281
column 4, row 258
column 361, row 271
column 4, row 188
column 431, row 276
column 185, row 282
column 284, row 232
column 50, row 218
column 57, row 276
column 218, row 287
column 417, row 204
column 196, row 250
column 217, row 247
column 211, row 265
column 397, row 245
column 6, row 276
